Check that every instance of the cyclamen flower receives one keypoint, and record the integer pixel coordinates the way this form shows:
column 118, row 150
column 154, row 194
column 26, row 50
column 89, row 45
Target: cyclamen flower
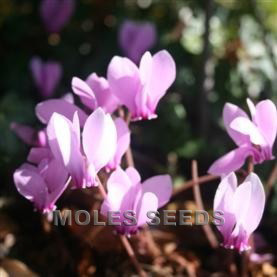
column 123, row 142
column 135, row 38
column 126, row 192
column 55, row 14
column 46, row 76
column 42, row 185
column 82, row 159
column 140, row 89
column 242, row 207
column 254, row 138
column 95, row 92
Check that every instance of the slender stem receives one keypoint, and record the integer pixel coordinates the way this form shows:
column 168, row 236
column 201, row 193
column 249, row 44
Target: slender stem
column 132, row 255
column 123, row 239
column 191, row 183
column 199, row 204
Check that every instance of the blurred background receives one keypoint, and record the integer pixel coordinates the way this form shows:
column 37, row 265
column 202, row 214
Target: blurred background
column 225, row 51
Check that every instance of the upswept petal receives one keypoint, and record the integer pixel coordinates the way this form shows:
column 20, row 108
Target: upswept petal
column 158, row 74
column 246, row 127
column 99, row 139
column 249, row 203
column 230, row 112
column 124, row 80
column 25, row 133
column 161, row 186
column 123, row 142
column 102, row 92
column 266, row 120
column 118, row 186
column 31, row 185
column 148, row 202
column 231, row 161
column 45, row 109
column 83, row 90
column 64, row 145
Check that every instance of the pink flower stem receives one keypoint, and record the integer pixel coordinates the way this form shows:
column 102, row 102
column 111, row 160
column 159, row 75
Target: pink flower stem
column 199, row 204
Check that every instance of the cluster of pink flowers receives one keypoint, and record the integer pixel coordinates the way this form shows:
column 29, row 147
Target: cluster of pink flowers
column 243, row 205
column 76, row 144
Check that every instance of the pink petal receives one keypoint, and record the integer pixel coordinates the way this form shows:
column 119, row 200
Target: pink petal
column 118, row 186
column 246, row 127
column 161, row 186
column 149, row 202
column 64, row 145
column 157, row 74
column 249, row 203
column 31, row 185
column 124, row 80
column 230, row 112
column 103, row 94
column 99, row 139
column 133, row 175
column 37, row 154
column 231, row 161
column 123, row 142
column 45, row 109
column 223, row 202
column 266, row 120
column 83, row 90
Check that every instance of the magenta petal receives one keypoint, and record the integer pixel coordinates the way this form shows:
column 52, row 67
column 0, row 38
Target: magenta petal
column 31, row 185
column 46, row 75
column 25, row 133
column 37, row 154
column 135, row 38
column 55, row 14
column 231, row 161
column 45, row 109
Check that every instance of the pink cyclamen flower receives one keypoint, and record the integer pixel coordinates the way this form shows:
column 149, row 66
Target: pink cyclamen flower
column 29, row 135
column 253, row 137
column 55, row 14
column 42, row 185
column 123, row 142
column 242, row 208
column 140, row 89
column 135, row 38
column 83, row 159
column 46, row 76
column 95, row 92
column 127, row 193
